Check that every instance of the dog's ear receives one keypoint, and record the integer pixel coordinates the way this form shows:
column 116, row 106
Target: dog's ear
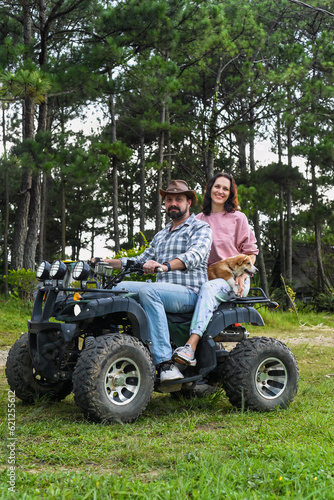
column 242, row 258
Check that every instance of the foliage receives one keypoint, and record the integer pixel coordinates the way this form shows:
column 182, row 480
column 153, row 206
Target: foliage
column 21, row 283
column 133, row 252
column 324, row 301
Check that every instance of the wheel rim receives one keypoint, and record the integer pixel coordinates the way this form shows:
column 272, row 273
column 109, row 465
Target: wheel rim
column 271, row 378
column 122, row 381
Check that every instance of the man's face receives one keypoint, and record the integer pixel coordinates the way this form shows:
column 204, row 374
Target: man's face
column 177, row 206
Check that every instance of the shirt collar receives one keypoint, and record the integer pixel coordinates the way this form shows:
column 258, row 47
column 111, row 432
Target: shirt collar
column 185, row 223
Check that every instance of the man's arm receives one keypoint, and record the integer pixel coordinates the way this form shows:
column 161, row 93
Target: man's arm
column 199, row 247
column 115, row 263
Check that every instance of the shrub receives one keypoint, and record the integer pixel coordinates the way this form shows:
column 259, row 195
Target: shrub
column 324, row 301
column 21, row 283
column 133, row 252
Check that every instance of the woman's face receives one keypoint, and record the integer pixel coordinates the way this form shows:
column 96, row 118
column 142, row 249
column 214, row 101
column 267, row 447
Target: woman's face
column 220, row 192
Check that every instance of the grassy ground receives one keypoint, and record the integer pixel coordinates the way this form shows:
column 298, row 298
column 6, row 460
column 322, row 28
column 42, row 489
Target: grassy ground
column 196, row 449
column 13, row 319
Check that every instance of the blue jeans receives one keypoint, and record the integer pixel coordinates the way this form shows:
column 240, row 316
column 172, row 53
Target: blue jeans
column 210, row 296
column 157, row 299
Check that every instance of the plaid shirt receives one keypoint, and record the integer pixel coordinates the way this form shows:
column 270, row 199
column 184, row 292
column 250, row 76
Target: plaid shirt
column 191, row 243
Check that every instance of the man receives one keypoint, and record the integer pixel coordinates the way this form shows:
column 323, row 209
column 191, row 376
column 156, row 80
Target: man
column 181, row 249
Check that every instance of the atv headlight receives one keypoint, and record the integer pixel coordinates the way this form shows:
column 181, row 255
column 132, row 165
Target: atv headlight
column 58, row 270
column 81, row 271
column 43, row 270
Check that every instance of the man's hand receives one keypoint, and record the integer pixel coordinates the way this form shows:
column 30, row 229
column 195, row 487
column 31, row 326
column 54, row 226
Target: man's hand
column 151, row 265
column 240, row 281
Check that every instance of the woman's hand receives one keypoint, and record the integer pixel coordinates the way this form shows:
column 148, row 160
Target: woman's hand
column 240, row 281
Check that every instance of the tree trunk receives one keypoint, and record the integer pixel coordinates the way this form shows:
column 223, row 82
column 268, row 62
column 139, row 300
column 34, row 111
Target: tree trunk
column 169, row 154
column 33, row 223
column 158, row 217
column 35, row 200
column 242, row 157
column 22, row 211
column 130, row 211
column 21, row 222
column 42, row 231
column 63, row 217
column 256, row 220
column 142, row 206
column 213, row 123
column 260, row 259
column 6, row 200
column 317, row 228
column 93, row 239
column 281, row 202
column 289, row 213
column 114, row 177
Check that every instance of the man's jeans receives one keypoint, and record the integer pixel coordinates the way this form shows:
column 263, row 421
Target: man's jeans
column 156, row 298
column 210, row 296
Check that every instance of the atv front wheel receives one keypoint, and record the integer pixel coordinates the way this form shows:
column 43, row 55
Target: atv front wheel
column 260, row 374
column 113, row 379
column 23, row 379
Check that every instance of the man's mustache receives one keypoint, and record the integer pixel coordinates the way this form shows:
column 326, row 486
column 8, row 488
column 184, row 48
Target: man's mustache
column 173, row 208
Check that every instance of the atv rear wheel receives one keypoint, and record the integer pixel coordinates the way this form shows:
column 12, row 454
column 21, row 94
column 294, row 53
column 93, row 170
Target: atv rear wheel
column 260, row 374
column 25, row 382
column 113, row 379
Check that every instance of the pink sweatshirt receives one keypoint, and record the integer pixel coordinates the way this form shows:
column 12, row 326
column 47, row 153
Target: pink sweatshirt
column 231, row 235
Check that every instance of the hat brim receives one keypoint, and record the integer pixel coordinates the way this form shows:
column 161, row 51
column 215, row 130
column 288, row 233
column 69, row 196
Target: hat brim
column 190, row 194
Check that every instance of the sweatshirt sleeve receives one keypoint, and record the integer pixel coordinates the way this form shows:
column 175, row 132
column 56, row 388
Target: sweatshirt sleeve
column 245, row 238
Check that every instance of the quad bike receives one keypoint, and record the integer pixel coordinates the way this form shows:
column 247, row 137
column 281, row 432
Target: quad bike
column 85, row 337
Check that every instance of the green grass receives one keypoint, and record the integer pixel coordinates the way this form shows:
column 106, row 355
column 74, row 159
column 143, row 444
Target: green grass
column 187, row 449
column 14, row 315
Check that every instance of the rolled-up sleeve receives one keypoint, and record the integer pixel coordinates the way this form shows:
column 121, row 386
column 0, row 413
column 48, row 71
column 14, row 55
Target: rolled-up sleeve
column 246, row 241
column 199, row 245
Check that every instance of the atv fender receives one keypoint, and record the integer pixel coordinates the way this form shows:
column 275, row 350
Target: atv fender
column 80, row 310
column 227, row 315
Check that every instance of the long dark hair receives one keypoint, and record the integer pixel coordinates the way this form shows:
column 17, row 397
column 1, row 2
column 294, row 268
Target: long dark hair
column 231, row 204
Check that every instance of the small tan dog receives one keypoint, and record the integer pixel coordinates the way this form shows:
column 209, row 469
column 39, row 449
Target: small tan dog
column 230, row 268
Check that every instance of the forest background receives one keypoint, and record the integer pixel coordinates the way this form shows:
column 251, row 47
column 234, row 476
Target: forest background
column 184, row 89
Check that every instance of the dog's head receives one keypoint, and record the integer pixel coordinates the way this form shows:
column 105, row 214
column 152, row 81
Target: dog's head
column 245, row 263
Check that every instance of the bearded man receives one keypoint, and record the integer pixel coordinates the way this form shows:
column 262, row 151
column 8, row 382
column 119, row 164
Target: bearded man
column 181, row 250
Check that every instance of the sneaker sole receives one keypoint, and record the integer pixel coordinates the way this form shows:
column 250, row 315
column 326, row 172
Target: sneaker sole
column 170, row 379
column 184, row 361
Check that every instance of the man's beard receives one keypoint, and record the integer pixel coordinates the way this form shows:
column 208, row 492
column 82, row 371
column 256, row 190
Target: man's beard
column 176, row 213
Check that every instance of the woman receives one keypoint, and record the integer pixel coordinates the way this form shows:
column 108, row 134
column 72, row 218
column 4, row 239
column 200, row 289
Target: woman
column 232, row 235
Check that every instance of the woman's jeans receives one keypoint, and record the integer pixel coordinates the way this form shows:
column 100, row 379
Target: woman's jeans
column 210, row 296
column 157, row 299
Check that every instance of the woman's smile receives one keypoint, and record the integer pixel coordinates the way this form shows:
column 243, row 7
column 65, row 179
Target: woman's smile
column 219, row 193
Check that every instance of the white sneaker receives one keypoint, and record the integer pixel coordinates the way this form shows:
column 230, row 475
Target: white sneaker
column 168, row 371
column 185, row 355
